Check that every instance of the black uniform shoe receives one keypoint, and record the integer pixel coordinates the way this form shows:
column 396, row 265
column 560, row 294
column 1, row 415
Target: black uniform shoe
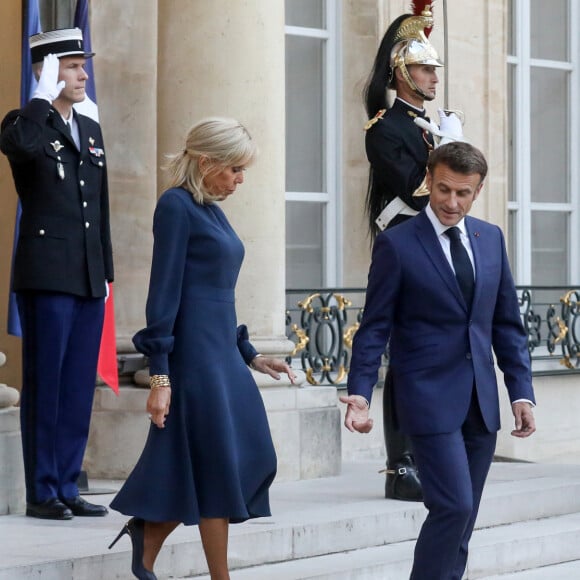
column 403, row 481
column 80, row 507
column 51, row 509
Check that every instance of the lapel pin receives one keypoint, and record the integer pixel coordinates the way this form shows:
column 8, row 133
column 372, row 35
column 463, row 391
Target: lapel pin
column 91, row 141
column 56, row 145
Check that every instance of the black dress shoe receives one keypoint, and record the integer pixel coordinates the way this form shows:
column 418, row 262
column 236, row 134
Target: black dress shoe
column 51, row 509
column 80, row 507
column 403, row 481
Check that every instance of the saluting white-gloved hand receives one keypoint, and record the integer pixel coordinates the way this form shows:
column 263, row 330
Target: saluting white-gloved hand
column 450, row 127
column 49, row 87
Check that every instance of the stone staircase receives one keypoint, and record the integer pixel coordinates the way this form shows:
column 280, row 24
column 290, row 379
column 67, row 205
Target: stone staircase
column 337, row 528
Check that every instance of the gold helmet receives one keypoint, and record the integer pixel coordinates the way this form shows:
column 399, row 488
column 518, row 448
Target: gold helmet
column 410, row 44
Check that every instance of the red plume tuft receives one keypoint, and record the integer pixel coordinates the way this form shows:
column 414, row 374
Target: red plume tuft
column 417, row 6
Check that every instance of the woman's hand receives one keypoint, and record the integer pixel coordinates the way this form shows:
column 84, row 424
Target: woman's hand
column 158, row 405
column 273, row 367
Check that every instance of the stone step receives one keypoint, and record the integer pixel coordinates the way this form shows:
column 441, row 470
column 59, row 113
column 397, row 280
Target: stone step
column 312, row 519
column 524, row 545
column 566, row 571
column 506, row 548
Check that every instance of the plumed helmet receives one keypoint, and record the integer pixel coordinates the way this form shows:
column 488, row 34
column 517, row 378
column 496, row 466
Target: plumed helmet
column 409, row 43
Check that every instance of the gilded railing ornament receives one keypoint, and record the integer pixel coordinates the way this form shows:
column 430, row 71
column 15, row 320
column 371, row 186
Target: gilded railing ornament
column 349, row 333
column 302, row 340
column 563, row 329
column 319, row 337
column 328, row 321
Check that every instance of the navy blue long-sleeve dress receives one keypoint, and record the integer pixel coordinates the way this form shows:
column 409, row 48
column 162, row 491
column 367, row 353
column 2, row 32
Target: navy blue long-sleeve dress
column 215, row 457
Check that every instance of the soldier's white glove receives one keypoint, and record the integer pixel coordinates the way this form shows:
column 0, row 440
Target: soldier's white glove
column 49, row 87
column 449, row 129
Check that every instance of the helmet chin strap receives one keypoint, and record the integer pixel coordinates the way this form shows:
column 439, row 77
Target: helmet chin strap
column 412, row 84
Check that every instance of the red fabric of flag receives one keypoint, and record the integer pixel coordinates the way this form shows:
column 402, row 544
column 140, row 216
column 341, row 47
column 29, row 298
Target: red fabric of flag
column 107, row 364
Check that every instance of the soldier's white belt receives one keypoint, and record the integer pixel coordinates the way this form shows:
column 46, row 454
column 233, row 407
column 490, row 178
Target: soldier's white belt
column 394, row 207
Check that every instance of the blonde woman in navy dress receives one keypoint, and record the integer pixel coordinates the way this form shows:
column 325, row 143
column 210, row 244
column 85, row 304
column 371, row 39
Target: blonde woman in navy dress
column 209, row 458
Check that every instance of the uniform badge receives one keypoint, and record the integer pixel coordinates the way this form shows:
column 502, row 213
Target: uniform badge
column 56, row 145
column 96, row 151
column 91, row 141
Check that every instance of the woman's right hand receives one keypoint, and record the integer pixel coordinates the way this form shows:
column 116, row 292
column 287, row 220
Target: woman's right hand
column 158, row 405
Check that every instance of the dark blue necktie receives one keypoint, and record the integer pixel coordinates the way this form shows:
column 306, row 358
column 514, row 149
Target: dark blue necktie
column 461, row 264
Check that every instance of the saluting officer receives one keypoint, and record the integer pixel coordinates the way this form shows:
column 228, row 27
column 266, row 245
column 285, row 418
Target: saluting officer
column 62, row 264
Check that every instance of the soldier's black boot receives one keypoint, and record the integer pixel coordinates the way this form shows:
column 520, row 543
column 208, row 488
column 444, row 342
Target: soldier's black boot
column 402, row 478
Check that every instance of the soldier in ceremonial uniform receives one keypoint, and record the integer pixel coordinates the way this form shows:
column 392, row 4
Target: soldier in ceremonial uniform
column 398, row 150
column 62, row 264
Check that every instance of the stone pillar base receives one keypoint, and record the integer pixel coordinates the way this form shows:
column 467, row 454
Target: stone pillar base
column 305, row 425
column 12, row 495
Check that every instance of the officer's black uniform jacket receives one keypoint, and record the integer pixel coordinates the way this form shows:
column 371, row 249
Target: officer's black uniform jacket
column 398, row 151
column 64, row 244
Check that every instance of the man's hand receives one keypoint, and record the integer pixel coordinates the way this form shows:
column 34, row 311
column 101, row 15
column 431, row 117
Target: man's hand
column 158, row 405
column 49, row 87
column 273, row 367
column 524, row 419
column 357, row 414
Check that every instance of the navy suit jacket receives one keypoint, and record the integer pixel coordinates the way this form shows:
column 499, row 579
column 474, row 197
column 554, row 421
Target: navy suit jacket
column 439, row 348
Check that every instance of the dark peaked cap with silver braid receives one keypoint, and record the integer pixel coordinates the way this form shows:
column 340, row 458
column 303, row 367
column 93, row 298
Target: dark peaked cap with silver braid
column 62, row 42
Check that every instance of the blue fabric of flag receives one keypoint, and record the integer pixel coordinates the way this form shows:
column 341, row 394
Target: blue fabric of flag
column 30, row 26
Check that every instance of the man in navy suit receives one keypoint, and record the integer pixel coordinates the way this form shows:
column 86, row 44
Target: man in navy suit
column 62, row 264
column 440, row 289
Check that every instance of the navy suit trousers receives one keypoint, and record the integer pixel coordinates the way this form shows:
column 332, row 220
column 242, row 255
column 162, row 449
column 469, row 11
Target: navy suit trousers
column 453, row 468
column 61, row 335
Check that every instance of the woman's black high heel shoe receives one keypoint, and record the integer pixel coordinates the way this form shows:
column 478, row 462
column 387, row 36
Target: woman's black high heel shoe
column 135, row 527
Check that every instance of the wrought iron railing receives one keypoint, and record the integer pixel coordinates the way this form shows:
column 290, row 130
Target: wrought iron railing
column 322, row 323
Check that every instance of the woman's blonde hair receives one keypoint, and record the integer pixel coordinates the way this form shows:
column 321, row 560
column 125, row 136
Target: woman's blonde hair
column 223, row 142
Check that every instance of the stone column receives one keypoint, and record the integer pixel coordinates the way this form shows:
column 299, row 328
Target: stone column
column 124, row 37
column 227, row 58
column 214, row 58
column 12, row 498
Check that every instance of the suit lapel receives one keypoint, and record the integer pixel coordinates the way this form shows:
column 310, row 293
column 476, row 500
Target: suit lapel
column 428, row 239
